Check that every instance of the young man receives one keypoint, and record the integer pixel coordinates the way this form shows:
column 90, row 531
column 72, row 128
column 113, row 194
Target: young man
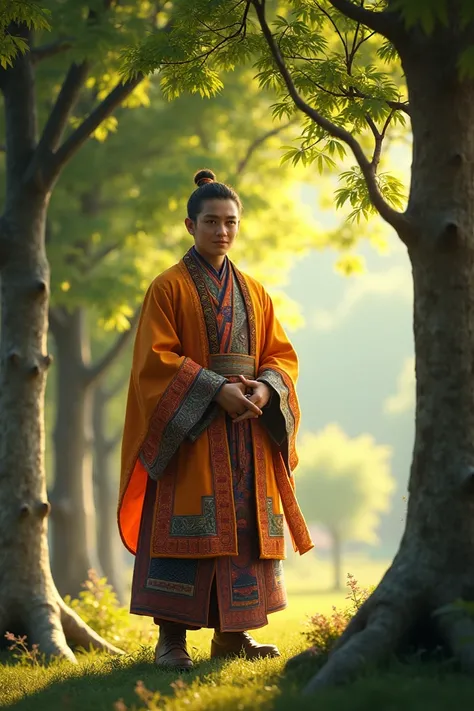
column 209, row 445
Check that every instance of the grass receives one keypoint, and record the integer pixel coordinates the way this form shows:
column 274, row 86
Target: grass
column 99, row 682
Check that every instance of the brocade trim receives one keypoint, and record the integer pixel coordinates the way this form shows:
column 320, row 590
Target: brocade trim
column 181, row 407
column 203, row 524
column 275, row 521
column 293, row 515
column 240, row 331
column 169, row 587
column 204, row 546
column 251, row 321
column 232, row 364
column 275, row 380
column 196, row 430
column 197, row 276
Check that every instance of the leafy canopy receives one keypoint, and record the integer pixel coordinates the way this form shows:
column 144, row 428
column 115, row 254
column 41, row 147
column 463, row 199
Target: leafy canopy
column 351, row 74
column 19, row 12
column 116, row 216
column 329, row 61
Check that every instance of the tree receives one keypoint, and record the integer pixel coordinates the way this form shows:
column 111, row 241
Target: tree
column 345, row 484
column 318, row 55
column 33, row 165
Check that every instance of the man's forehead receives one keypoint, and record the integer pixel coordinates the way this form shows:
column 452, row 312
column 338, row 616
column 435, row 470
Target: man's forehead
column 220, row 208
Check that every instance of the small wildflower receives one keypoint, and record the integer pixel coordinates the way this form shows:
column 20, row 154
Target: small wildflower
column 179, row 685
column 325, row 630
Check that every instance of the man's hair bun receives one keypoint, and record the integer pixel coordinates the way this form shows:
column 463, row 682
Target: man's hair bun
column 204, row 176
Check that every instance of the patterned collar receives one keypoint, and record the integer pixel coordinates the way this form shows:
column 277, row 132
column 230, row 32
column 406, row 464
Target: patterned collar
column 218, row 274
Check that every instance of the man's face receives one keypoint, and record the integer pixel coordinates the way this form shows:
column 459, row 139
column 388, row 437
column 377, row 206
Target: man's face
column 216, row 227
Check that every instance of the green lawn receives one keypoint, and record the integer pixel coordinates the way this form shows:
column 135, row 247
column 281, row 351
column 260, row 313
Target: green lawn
column 98, row 682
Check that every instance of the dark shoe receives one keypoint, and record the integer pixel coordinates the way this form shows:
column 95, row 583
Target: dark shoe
column 171, row 652
column 235, row 644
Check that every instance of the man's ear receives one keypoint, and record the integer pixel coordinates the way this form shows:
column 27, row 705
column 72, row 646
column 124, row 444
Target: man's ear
column 190, row 226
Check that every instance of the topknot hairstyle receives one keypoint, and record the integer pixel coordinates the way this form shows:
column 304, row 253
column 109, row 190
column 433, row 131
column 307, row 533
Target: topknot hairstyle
column 209, row 189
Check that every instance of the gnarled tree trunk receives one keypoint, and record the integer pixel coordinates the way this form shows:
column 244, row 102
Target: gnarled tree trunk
column 28, row 596
column 435, row 562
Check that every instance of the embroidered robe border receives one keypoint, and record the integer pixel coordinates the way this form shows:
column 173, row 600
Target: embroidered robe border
column 280, row 381
column 183, row 404
column 224, row 540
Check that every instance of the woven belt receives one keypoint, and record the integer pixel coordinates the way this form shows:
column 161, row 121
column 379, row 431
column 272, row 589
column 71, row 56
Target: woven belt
column 232, row 364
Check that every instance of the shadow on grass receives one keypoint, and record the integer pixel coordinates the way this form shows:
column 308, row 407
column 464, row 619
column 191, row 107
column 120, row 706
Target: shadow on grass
column 411, row 685
column 96, row 685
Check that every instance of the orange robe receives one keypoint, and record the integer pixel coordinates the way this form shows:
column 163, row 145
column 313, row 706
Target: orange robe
column 176, row 434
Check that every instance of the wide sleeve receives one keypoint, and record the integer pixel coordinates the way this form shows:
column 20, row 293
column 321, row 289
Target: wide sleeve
column 170, row 391
column 278, row 368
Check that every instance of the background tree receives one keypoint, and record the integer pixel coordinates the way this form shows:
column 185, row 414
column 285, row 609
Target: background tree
column 342, row 100
column 34, row 162
column 345, row 484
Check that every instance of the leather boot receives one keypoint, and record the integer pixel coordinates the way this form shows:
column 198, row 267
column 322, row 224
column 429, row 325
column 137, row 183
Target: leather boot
column 236, row 644
column 171, row 652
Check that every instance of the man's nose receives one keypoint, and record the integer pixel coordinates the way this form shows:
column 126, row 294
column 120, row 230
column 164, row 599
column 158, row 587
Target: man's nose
column 222, row 229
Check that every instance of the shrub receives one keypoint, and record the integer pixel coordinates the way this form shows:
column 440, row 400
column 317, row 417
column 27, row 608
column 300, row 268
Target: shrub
column 98, row 606
column 325, row 630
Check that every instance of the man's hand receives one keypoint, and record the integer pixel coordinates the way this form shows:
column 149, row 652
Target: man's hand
column 260, row 396
column 232, row 399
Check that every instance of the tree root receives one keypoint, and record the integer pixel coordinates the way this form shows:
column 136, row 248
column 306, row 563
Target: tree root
column 54, row 626
column 390, row 618
column 371, row 645
column 457, row 629
column 44, row 622
column 80, row 634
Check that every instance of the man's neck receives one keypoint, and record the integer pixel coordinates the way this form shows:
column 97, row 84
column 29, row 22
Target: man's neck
column 215, row 261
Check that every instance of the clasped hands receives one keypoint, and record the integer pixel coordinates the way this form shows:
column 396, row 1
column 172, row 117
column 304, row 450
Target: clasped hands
column 235, row 399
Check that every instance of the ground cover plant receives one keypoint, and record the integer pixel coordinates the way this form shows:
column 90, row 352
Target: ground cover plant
column 131, row 683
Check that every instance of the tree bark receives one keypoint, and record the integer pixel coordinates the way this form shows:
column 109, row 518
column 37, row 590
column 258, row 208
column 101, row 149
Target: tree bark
column 435, row 563
column 108, row 543
column 28, row 596
column 73, row 539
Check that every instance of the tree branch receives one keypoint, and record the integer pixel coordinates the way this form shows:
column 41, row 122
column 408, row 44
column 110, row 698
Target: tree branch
column 109, row 393
column 56, row 319
column 258, row 142
column 72, row 144
column 56, row 124
column 46, row 51
column 337, row 30
column 114, row 441
column 67, row 99
column 385, row 23
column 96, row 371
column 398, row 220
column 99, row 255
column 395, row 105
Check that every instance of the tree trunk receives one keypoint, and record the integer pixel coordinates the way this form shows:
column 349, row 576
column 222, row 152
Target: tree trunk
column 336, row 553
column 28, row 596
column 435, row 563
column 73, row 540
column 108, row 543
